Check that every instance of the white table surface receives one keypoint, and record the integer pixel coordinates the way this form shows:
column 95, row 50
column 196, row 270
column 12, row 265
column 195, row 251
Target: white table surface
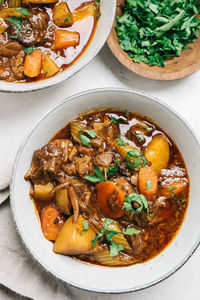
column 20, row 112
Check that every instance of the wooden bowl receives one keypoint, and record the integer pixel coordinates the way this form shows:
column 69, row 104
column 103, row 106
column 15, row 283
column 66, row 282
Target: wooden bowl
column 187, row 63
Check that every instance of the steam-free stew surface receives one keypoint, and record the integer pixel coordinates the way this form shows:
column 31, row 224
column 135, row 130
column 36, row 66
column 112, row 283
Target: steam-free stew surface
column 40, row 38
column 110, row 188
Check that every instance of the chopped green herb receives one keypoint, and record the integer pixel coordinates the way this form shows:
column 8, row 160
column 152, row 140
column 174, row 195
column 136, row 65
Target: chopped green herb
column 105, row 174
column 1, row 1
column 172, row 195
column 67, row 18
column 29, row 50
column 153, row 31
column 147, row 129
column 113, row 120
column 130, row 230
column 136, row 198
column 98, row 178
column 91, row 133
column 114, row 248
column 127, row 113
column 13, row 37
column 84, row 139
column 172, row 189
column 139, row 137
column 120, row 141
column 136, row 159
column 17, row 21
column 85, row 226
column 175, row 62
column 113, row 169
column 23, row 11
column 148, row 185
column 183, row 201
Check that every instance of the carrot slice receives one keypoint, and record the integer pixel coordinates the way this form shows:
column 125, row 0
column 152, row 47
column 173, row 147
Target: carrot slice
column 111, row 199
column 174, row 187
column 51, row 221
column 33, row 63
column 65, row 39
column 148, row 182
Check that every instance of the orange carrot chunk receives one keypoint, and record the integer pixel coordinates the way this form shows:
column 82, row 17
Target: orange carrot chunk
column 65, row 39
column 51, row 221
column 111, row 199
column 148, row 182
column 174, row 187
column 33, row 63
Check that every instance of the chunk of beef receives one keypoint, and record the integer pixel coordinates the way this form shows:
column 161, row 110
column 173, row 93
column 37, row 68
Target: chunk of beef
column 10, row 49
column 137, row 241
column 104, row 159
column 124, row 184
column 74, row 200
column 34, row 29
column 84, row 165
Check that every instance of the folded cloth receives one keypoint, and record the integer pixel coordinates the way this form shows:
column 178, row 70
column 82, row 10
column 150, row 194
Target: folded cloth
column 18, row 270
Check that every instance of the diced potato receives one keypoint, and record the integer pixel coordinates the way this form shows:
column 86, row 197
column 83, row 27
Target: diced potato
column 85, row 10
column 61, row 15
column 43, row 191
column 62, row 201
column 122, row 150
column 174, row 187
column 64, row 39
column 103, row 257
column 75, row 127
column 158, row 152
column 70, row 241
column 49, row 67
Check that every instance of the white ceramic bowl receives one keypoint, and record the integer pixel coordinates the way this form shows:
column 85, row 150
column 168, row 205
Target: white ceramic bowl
column 104, row 25
column 91, row 277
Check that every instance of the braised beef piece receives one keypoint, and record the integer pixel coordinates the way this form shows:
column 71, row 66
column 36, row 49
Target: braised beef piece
column 34, row 29
column 11, row 61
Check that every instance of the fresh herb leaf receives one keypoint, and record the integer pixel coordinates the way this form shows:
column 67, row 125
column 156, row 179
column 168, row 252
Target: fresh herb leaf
column 182, row 201
column 113, row 169
column 113, row 120
column 139, row 137
column 105, row 174
column 29, row 50
column 23, row 11
column 127, row 113
column 153, row 31
column 147, row 129
column 15, row 37
column 130, row 230
column 1, row 1
column 98, row 178
column 120, row 141
column 84, row 139
column 148, row 185
column 17, row 21
column 172, row 188
column 108, row 222
column 67, row 18
column 115, row 249
column 136, row 198
column 136, row 159
column 85, row 226
column 91, row 133
column 172, row 195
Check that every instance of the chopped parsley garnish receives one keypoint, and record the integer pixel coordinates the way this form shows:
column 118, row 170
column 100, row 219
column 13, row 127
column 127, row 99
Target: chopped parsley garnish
column 120, row 141
column 136, row 160
column 67, row 18
column 153, row 31
column 17, row 21
column 114, row 248
column 127, row 113
column 99, row 177
column 23, row 11
column 130, row 230
column 85, row 226
column 15, row 37
column 172, row 189
column 136, row 198
column 1, row 1
column 113, row 169
column 183, row 201
column 29, row 50
column 84, row 139
column 148, row 185
column 172, row 195
column 147, row 129
column 113, row 120
column 139, row 137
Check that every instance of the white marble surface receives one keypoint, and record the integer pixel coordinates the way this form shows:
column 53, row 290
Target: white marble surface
column 20, row 112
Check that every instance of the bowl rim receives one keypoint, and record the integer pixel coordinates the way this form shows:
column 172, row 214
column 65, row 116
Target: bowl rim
column 21, row 87
column 18, row 157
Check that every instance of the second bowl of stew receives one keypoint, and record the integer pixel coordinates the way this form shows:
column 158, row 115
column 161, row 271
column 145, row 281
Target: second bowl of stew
column 43, row 42
column 109, row 185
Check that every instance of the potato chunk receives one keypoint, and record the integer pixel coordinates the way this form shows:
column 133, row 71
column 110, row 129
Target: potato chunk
column 43, row 191
column 49, row 67
column 61, row 15
column 85, row 10
column 158, row 152
column 70, row 240
column 62, row 201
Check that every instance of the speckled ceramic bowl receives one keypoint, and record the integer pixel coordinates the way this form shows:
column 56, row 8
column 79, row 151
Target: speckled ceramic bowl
column 103, row 28
column 97, row 278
